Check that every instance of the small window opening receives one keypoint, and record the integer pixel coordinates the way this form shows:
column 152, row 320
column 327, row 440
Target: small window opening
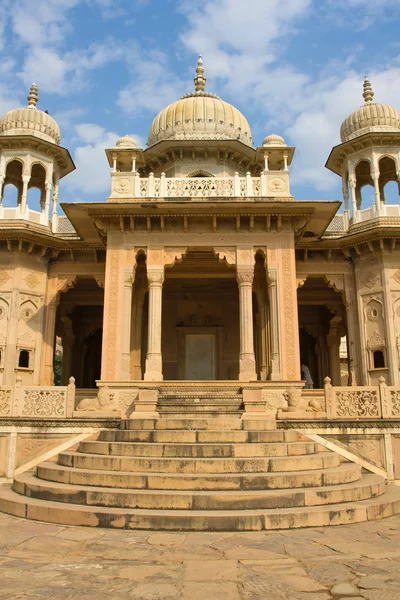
column 379, row 360
column 23, row 361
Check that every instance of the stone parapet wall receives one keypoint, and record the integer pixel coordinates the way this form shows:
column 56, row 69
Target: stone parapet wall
column 37, row 401
column 364, row 402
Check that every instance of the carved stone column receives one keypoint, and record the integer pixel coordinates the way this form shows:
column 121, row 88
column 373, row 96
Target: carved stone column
column 153, row 371
column 48, row 341
column 377, row 193
column 275, row 370
column 333, row 342
column 68, row 341
column 25, row 181
column 247, row 363
column 354, row 209
column 125, row 369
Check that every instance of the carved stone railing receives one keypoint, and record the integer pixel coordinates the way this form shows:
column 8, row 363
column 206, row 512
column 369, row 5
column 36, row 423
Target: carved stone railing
column 36, row 401
column 272, row 184
column 363, row 402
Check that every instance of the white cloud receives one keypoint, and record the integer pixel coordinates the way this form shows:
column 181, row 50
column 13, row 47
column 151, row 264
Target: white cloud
column 326, row 104
column 153, row 84
column 92, row 174
column 244, row 54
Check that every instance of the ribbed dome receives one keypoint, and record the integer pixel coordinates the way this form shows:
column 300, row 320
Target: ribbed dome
column 200, row 116
column 274, row 140
column 370, row 117
column 30, row 121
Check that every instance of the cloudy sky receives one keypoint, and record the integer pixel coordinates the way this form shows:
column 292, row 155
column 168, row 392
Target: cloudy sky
column 104, row 68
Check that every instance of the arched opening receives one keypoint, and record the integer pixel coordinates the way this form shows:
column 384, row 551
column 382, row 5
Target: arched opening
column 12, row 182
column 379, row 359
column 10, row 195
column 36, row 188
column 365, row 191
column 322, row 327
column 389, row 186
column 23, row 359
column 200, row 334
column 79, row 326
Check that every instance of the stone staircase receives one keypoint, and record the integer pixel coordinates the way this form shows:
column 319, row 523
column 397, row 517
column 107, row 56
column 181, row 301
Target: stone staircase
column 203, row 474
column 206, row 401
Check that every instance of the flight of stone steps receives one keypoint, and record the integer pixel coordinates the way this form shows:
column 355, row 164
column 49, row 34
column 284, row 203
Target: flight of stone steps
column 219, row 474
column 193, row 402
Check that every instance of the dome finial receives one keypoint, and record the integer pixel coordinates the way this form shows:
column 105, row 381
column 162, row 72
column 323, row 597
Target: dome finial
column 199, row 80
column 368, row 94
column 33, row 96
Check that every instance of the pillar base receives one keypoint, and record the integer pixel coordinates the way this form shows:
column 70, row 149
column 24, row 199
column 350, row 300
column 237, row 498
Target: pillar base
column 153, row 371
column 247, row 368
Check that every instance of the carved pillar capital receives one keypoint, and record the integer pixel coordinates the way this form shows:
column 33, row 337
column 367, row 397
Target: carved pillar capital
column 245, row 277
column 155, row 278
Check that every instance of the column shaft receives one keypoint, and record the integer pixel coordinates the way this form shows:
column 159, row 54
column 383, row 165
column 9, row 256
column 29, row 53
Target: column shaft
column 127, row 321
column 247, row 363
column 153, row 370
column 274, row 325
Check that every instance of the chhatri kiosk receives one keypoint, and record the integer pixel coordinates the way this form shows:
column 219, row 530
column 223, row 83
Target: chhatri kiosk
column 165, row 327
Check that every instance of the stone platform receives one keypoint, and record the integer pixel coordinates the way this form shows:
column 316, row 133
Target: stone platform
column 220, row 474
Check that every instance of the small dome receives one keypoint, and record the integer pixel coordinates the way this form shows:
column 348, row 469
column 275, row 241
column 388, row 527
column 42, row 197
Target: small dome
column 126, row 142
column 274, row 140
column 370, row 117
column 200, row 116
column 30, row 121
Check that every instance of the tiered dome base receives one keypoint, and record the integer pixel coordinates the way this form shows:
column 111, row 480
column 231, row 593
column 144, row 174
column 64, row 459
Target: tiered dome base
column 219, row 474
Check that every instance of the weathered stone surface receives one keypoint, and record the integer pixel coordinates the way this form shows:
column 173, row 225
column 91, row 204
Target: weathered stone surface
column 48, row 562
column 344, row 589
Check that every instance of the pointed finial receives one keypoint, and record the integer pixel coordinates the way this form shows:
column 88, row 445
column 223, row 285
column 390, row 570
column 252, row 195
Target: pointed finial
column 368, row 94
column 199, row 80
column 33, row 96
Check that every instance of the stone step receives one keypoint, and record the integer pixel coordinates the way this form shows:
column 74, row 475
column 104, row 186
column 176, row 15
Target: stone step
column 197, row 450
column 199, row 465
column 344, row 473
column 385, row 505
column 217, row 423
column 31, row 486
column 199, row 437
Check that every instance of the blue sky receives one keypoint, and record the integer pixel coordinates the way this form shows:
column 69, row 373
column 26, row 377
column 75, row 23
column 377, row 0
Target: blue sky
column 104, row 68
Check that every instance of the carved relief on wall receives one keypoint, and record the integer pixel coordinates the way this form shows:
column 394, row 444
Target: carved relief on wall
column 4, row 277
column 276, row 184
column 358, row 403
column 44, row 403
column 171, row 255
column 228, row 254
column 5, row 401
column 28, row 312
column 396, row 276
column 200, row 320
column 32, row 280
column 371, row 280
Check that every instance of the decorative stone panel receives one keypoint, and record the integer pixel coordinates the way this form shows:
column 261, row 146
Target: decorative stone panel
column 44, row 401
column 6, row 394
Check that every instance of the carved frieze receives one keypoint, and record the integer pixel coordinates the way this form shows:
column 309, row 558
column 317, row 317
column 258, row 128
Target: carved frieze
column 4, row 277
column 357, row 403
column 44, row 403
column 5, row 401
column 371, row 280
column 32, row 280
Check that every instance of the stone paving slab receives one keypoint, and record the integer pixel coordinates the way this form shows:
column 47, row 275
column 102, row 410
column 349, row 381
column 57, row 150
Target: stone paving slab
column 41, row 561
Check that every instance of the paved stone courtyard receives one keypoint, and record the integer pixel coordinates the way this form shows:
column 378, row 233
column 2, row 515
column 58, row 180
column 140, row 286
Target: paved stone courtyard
column 66, row 563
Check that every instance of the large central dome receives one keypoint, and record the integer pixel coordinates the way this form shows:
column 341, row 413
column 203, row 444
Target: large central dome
column 200, row 116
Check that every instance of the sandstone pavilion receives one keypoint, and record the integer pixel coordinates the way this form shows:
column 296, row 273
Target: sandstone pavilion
column 151, row 343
